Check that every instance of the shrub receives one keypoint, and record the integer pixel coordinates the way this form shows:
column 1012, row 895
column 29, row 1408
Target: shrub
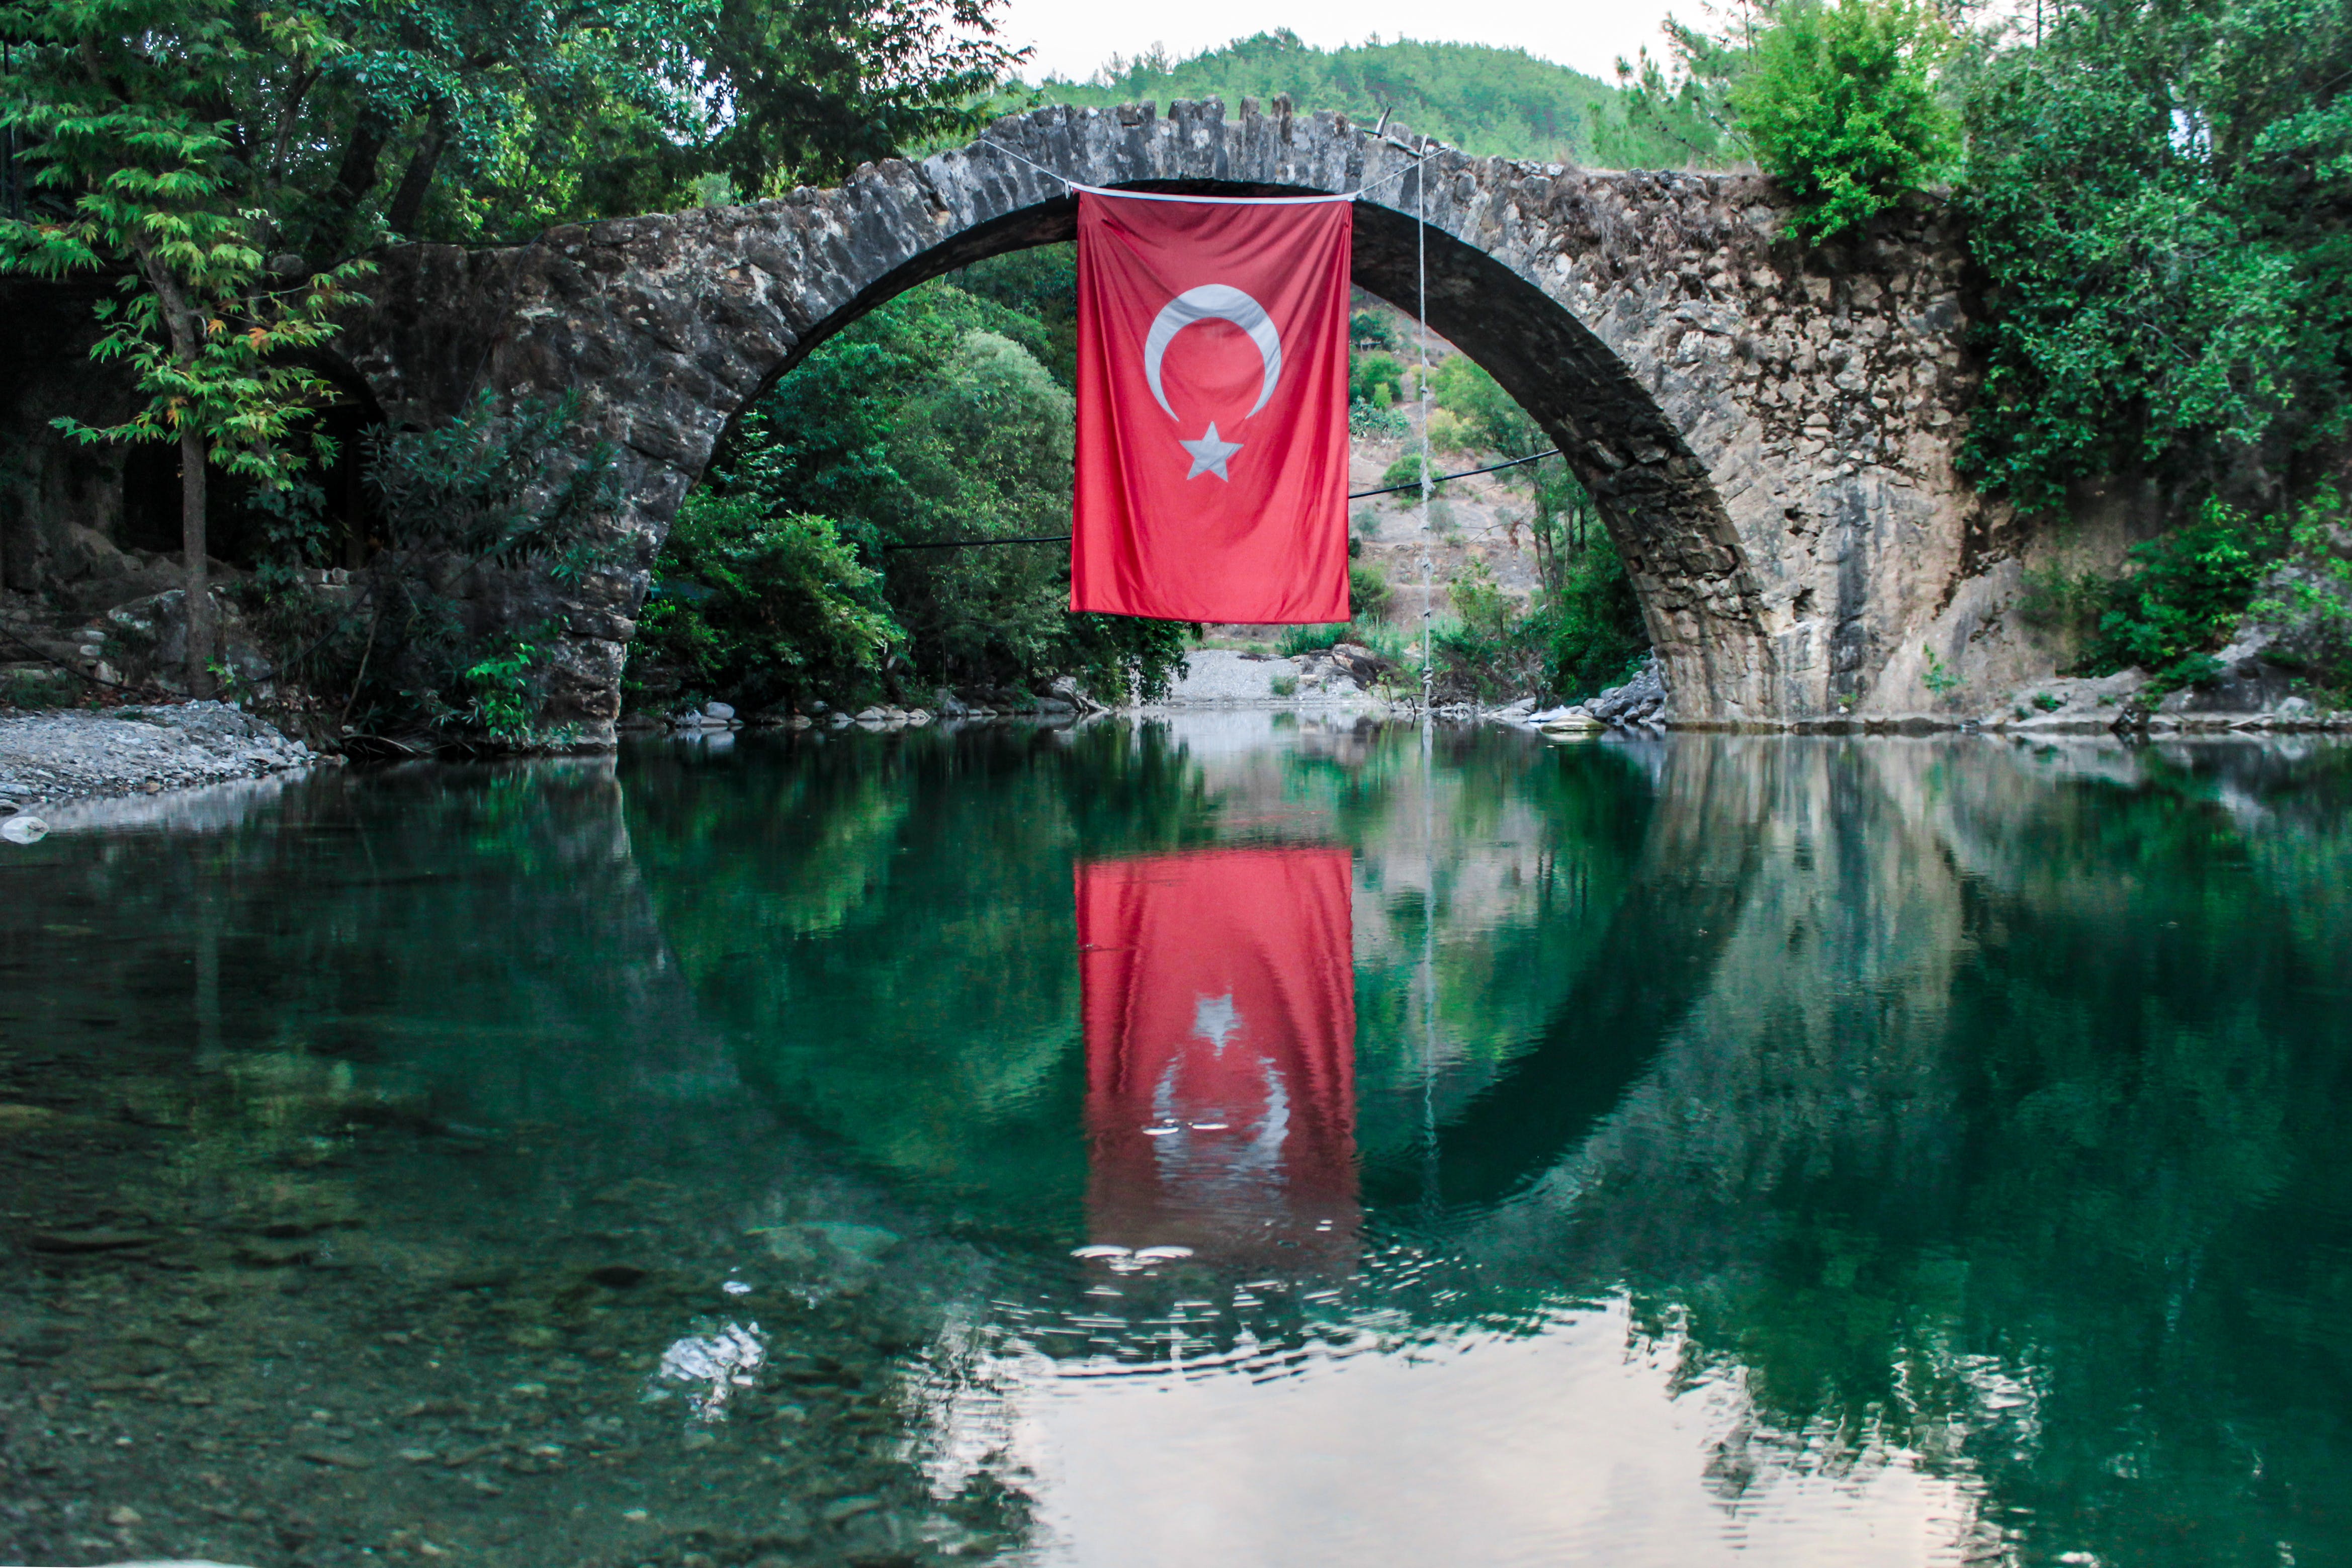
column 2184, row 597
column 1375, row 378
column 2063, row 608
column 757, row 605
column 1369, row 594
column 2310, row 599
column 1839, row 105
column 1295, row 640
column 1405, row 470
column 1371, row 329
column 467, row 512
column 2156, row 196
column 1480, row 601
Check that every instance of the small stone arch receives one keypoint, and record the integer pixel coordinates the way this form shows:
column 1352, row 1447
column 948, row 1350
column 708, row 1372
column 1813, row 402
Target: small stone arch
column 1768, row 439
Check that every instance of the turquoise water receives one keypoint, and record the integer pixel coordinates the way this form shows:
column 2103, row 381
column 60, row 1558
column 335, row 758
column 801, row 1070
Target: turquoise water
column 1228, row 1142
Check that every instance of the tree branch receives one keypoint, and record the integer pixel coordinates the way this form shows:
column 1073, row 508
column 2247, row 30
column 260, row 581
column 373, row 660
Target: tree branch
column 408, row 201
column 357, row 176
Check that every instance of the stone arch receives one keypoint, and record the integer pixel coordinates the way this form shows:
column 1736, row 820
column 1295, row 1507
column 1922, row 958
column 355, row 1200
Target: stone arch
column 1770, row 446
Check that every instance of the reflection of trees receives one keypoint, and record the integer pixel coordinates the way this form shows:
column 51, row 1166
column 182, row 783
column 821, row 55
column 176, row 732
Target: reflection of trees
column 883, row 928
column 1972, row 1108
column 2005, row 1133
column 917, row 995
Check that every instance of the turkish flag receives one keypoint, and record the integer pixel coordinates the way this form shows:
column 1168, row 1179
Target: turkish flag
column 1221, row 1036
column 1212, row 408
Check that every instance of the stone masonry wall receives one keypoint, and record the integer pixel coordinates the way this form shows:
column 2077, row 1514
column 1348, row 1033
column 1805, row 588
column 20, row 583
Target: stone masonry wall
column 1770, row 432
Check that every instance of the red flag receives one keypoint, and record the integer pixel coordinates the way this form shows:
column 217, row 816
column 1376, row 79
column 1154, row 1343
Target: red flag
column 1221, row 1038
column 1212, row 408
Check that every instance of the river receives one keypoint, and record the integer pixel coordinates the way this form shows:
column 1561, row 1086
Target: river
column 1240, row 1140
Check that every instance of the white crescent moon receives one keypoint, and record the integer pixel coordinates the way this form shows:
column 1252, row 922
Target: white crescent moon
column 1213, row 302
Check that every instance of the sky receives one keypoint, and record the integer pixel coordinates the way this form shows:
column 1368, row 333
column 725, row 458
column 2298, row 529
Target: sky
column 1074, row 37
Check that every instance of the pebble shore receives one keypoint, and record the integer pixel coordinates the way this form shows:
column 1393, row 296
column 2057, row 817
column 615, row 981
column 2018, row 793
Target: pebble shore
column 48, row 756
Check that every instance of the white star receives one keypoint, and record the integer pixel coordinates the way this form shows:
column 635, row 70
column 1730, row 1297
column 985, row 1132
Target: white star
column 1215, row 1019
column 1209, row 454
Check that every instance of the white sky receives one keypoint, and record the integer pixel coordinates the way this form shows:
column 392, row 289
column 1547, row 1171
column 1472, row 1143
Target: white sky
column 1074, row 37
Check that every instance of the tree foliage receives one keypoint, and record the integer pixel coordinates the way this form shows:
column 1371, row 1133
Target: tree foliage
column 1840, row 104
column 2161, row 198
column 133, row 173
column 760, row 606
column 935, row 418
column 466, row 511
column 338, row 122
column 1484, row 101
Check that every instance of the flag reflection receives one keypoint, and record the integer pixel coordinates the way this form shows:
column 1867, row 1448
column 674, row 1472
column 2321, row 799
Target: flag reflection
column 1221, row 1027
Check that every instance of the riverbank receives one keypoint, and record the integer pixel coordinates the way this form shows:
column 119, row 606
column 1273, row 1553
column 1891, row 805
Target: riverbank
column 48, row 756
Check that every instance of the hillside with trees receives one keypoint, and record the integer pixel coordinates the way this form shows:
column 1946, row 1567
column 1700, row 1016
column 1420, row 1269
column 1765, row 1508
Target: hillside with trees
column 1498, row 103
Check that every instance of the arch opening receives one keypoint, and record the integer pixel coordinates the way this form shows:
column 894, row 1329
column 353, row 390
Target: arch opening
column 1654, row 495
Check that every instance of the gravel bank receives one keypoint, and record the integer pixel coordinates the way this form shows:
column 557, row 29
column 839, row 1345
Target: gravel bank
column 70, row 754
column 1221, row 678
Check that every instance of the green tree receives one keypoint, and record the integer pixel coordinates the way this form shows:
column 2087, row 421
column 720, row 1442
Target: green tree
column 114, row 104
column 1484, row 101
column 935, row 418
column 342, row 122
column 1839, row 101
column 759, row 605
column 2161, row 198
column 484, row 507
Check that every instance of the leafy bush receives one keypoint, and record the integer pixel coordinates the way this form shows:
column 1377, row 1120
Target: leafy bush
column 1479, row 600
column 1375, row 378
column 1375, row 423
column 1405, row 470
column 1589, row 624
column 1368, row 601
column 938, row 417
column 2186, row 595
column 467, row 512
column 1583, row 632
column 756, row 605
column 2066, row 608
column 1371, row 329
column 2156, row 195
column 1840, row 104
column 2310, row 599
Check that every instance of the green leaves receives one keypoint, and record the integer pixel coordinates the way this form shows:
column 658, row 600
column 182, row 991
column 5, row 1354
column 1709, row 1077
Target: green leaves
column 1839, row 104
column 2184, row 598
column 758, row 605
column 1484, row 101
column 2158, row 196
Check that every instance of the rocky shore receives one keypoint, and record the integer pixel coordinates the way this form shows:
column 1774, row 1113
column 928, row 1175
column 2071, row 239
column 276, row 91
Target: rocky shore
column 48, row 756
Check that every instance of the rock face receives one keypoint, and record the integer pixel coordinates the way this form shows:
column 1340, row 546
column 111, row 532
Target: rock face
column 1769, row 430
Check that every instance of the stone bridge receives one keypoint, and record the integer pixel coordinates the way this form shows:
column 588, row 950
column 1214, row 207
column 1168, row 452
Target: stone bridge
column 1768, row 431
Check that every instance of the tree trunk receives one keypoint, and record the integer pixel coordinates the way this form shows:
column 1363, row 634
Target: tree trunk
column 199, row 674
column 408, row 201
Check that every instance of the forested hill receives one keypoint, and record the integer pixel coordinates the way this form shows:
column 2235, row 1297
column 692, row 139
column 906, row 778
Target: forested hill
column 1482, row 99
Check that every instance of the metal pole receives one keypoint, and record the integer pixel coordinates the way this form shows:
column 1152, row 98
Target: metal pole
column 1420, row 318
